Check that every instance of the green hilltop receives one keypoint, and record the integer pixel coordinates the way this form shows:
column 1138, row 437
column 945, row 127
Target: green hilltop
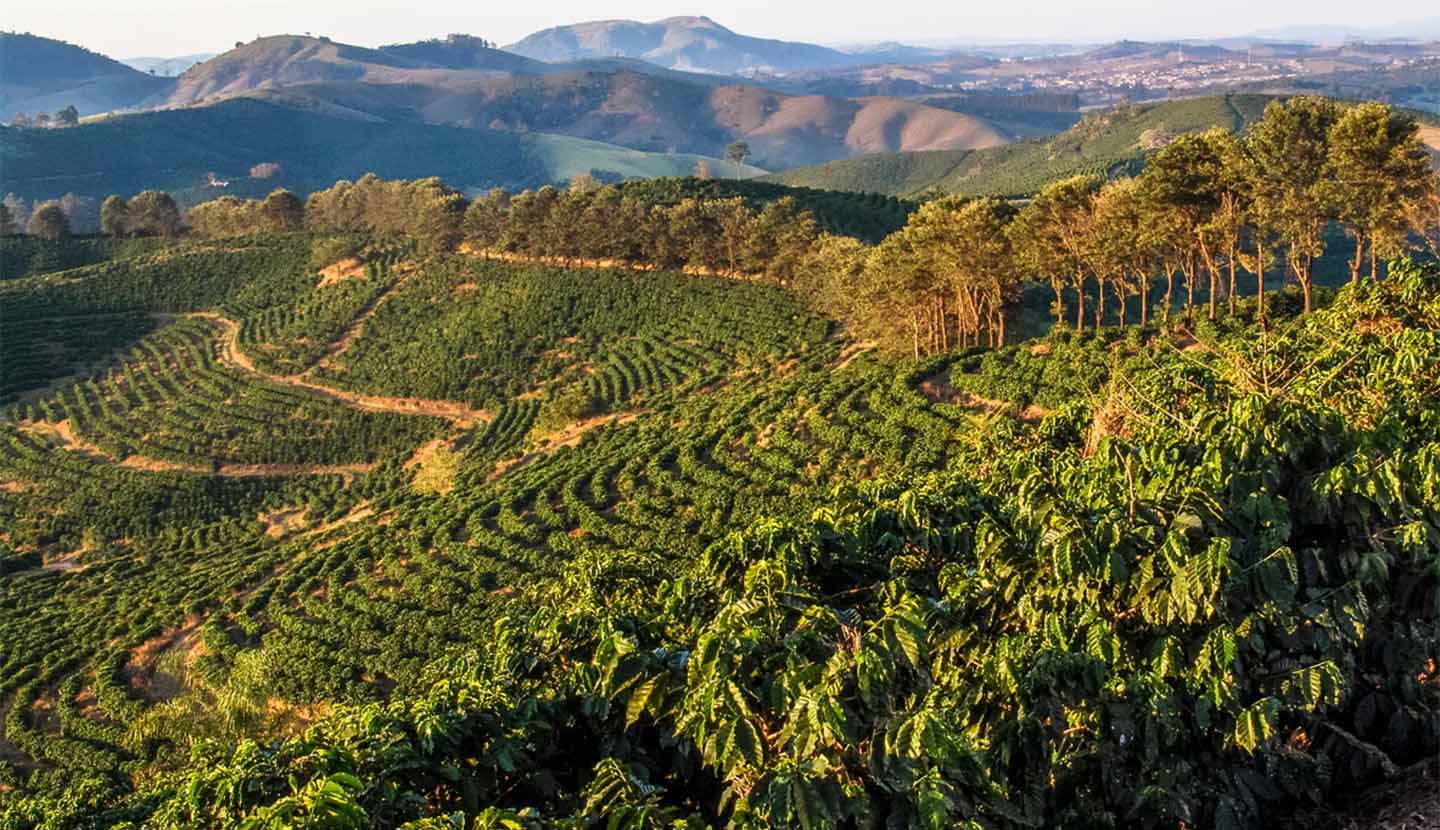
column 1108, row 141
column 175, row 150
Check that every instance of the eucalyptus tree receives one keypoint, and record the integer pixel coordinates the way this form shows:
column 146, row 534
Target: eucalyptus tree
column 114, row 217
column 1118, row 247
column 1377, row 164
column 49, row 222
column 1048, row 237
column 1289, row 153
column 1189, row 176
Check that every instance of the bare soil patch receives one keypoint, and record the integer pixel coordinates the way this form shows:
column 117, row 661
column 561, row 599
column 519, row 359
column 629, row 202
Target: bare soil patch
column 850, row 353
column 280, row 524
column 140, row 670
column 346, row 269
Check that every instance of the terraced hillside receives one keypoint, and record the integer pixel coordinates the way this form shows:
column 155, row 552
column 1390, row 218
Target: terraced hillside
column 394, row 539
column 302, row 486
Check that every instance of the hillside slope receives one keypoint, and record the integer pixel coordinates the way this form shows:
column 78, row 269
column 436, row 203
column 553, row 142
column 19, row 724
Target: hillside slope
column 1105, row 142
column 463, row 83
column 39, row 74
column 175, row 150
column 696, row 44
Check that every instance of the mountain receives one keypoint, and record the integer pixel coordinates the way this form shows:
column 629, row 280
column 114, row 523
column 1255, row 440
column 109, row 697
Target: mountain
column 176, row 149
column 1102, row 142
column 39, row 74
column 696, row 44
column 467, row 84
column 167, row 67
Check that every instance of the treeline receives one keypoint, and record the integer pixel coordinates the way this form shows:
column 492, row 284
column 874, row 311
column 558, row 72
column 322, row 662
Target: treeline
column 584, row 223
column 1212, row 216
column 713, row 235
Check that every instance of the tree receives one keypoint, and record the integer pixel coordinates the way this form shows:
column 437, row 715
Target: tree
column 7, row 220
column 1289, row 151
column 702, row 170
column 84, row 216
column 154, row 213
column 49, row 222
column 1422, row 215
column 1049, row 239
column 1119, row 249
column 780, row 236
column 1377, row 166
column 584, row 183
column 19, row 210
column 737, row 153
column 484, row 223
column 283, row 211
column 1187, row 175
column 438, row 212
column 68, row 117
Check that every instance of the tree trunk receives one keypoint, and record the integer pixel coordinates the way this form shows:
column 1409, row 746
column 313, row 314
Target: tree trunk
column 1120, row 295
column 1234, row 255
column 1080, row 304
column 1099, row 302
column 1144, row 300
column 1359, row 257
column 1169, row 293
column 1260, row 282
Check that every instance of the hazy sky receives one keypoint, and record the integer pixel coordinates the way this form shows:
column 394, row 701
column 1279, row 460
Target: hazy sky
column 132, row 28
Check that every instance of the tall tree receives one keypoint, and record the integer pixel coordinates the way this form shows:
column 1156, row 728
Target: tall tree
column 155, row 213
column 49, row 222
column 737, row 153
column 1119, row 246
column 114, row 217
column 7, row 220
column 283, row 211
column 484, row 224
column 1377, row 165
column 1422, row 215
column 1289, row 150
column 1049, row 239
column 1187, row 175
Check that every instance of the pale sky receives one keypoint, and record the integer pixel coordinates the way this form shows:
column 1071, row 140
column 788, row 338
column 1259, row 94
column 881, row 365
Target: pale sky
column 134, row 28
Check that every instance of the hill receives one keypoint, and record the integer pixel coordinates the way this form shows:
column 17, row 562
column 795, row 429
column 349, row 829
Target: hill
column 175, row 150
column 1106, row 142
column 38, row 74
column 462, row 82
column 696, row 44
column 439, row 539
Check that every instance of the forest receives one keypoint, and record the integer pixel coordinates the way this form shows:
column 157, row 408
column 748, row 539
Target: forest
column 707, row 504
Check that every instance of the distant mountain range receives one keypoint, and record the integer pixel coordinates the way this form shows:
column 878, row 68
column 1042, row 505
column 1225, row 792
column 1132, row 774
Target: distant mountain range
column 472, row 85
column 166, row 67
column 694, row 44
column 625, row 99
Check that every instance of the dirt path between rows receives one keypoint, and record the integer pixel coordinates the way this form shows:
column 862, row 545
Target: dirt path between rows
column 460, row 414
column 937, row 389
column 567, row 437
column 62, row 433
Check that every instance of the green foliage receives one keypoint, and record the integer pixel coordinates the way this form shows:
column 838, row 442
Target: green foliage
column 1110, row 143
column 868, row 217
